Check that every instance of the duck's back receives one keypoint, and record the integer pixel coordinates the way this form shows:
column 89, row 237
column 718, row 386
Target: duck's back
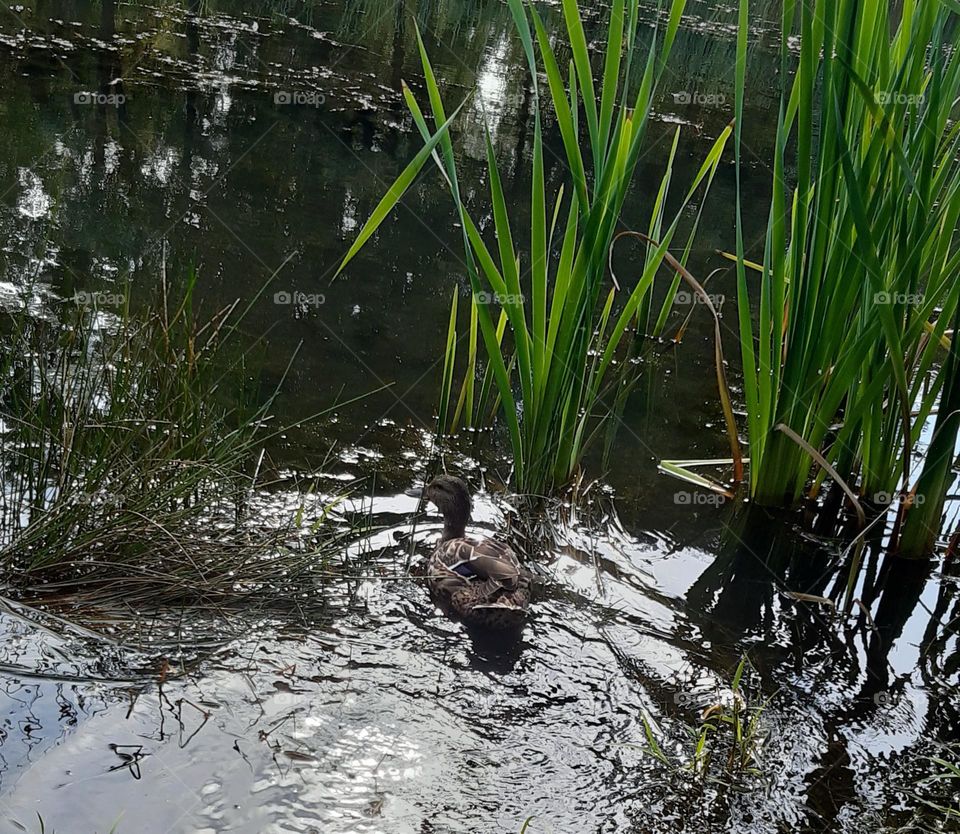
column 467, row 554
column 475, row 574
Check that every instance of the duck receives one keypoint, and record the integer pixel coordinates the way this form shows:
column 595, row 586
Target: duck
column 481, row 581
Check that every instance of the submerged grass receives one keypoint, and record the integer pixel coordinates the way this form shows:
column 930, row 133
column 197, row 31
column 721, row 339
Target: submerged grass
column 131, row 443
column 858, row 279
column 554, row 355
column 114, row 829
column 939, row 790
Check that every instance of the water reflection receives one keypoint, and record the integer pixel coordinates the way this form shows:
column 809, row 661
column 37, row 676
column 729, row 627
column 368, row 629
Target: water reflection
column 180, row 157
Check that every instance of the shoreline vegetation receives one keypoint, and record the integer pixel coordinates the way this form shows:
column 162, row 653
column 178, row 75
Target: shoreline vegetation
column 852, row 350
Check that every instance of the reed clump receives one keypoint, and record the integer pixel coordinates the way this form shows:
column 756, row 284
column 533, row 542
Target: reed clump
column 846, row 360
column 548, row 344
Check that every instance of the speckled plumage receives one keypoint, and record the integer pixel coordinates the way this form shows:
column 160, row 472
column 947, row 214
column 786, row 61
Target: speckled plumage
column 496, row 592
column 479, row 580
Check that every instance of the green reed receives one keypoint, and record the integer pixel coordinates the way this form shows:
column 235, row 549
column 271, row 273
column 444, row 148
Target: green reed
column 726, row 746
column 553, row 328
column 920, row 513
column 858, row 280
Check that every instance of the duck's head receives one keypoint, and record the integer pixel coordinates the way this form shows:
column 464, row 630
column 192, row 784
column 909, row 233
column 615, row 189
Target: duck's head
column 450, row 495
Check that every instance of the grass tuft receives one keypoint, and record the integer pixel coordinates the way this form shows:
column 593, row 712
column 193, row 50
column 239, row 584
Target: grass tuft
column 131, row 446
column 858, row 279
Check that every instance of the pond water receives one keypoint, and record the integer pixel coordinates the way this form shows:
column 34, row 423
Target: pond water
column 250, row 142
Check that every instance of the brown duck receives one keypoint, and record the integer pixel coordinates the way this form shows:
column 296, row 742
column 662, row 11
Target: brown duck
column 479, row 580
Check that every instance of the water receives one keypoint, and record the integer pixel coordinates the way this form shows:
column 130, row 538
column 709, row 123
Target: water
column 386, row 716
column 390, row 718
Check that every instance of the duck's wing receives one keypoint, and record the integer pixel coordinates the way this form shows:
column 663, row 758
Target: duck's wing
column 486, row 559
column 496, row 561
column 481, row 580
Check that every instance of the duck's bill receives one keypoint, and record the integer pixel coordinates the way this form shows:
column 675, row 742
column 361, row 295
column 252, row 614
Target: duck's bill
column 414, row 492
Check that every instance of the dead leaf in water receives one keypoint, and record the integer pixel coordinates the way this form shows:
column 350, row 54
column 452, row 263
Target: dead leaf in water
column 829, row 603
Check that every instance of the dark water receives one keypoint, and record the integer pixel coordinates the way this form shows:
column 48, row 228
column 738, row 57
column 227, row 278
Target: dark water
column 387, row 717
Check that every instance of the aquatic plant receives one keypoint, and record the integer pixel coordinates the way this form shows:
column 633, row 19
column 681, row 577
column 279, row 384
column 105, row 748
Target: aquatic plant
column 555, row 355
column 727, row 742
column 944, row 782
column 114, row 829
column 920, row 514
column 858, row 278
column 131, row 443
